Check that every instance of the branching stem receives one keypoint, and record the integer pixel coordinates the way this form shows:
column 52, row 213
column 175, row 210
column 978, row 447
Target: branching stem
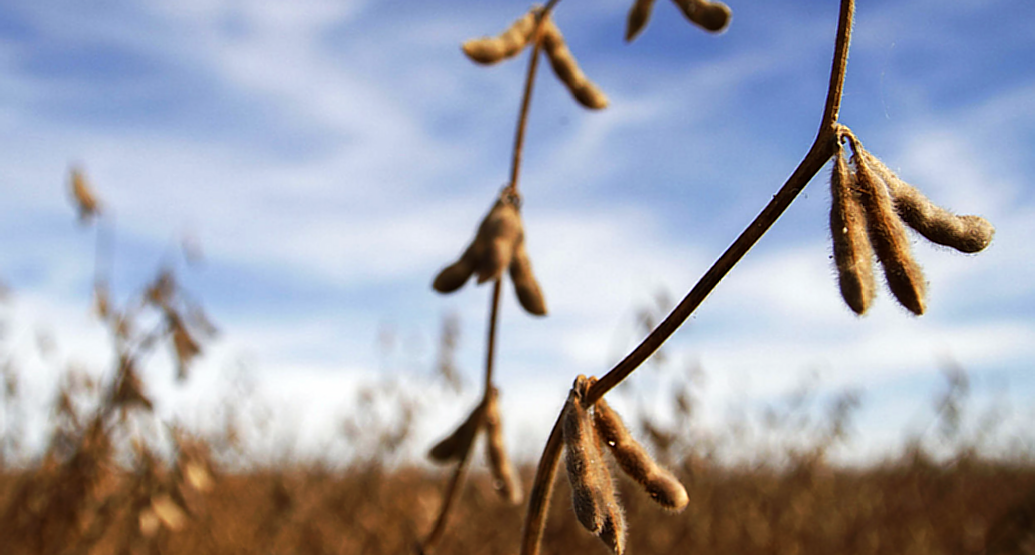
column 821, row 151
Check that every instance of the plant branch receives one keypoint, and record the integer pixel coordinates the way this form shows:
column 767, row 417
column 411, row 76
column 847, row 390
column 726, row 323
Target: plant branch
column 490, row 351
column 526, row 99
column 821, row 151
column 457, row 481
column 452, row 493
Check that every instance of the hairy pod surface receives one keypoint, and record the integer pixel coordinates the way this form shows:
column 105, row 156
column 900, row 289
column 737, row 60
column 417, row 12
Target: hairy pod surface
column 638, row 18
column 592, row 489
column 503, row 474
column 567, row 69
column 853, row 254
column 490, row 50
column 454, row 447
column 967, row 234
column 888, row 237
column 710, row 16
column 660, row 484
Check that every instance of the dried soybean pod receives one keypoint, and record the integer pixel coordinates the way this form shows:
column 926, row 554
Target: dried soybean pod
column 502, row 470
column 587, row 472
column 633, row 459
column 498, row 234
column 968, row 233
column 525, row 284
column 567, row 69
column 452, row 277
column 710, row 16
column 491, row 251
column 853, row 254
column 459, row 442
column 639, row 15
column 888, row 236
column 489, row 50
column 85, row 200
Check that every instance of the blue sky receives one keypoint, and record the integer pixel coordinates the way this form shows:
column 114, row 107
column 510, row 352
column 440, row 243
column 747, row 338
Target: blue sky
column 331, row 157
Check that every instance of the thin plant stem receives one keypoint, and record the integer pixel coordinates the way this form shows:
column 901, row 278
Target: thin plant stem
column 490, row 351
column 820, row 152
column 452, row 493
column 456, row 482
column 526, row 99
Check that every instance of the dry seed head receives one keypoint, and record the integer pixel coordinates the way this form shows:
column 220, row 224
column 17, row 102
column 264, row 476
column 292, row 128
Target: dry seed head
column 162, row 290
column 86, row 201
column 853, row 254
column 639, row 15
column 710, row 16
column 592, row 489
column 454, row 447
column 888, row 236
column 169, row 512
column 567, row 69
column 130, row 389
column 968, row 234
column 101, row 302
column 490, row 50
column 633, row 459
column 502, row 470
column 185, row 345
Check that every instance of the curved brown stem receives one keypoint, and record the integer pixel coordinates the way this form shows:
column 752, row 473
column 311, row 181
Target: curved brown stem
column 821, row 151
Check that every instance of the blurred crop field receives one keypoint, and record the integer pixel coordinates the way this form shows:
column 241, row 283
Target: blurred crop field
column 105, row 484
column 910, row 506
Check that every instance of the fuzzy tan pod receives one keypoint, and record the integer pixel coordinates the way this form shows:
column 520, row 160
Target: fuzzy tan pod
column 888, row 237
column 85, row 201
column 968, row 234
column 710, row 16
column 639, row 15
column 503, row 473
column 632, row 458
column 567, row 69
column 491, row 251
column 853, row 254
column 490, row 50
column 525, row 284
column 454, row 447
column 592, row 488
column 498, row 245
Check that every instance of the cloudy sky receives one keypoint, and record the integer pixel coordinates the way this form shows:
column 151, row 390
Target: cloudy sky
column 331, row 156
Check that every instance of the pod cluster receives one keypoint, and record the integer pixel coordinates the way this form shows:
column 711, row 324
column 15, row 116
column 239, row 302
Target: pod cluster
column 710, row 16
column 870, row 208
column 457, row 445
column 587, row 429
column 499, row 245
column 537, row 26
